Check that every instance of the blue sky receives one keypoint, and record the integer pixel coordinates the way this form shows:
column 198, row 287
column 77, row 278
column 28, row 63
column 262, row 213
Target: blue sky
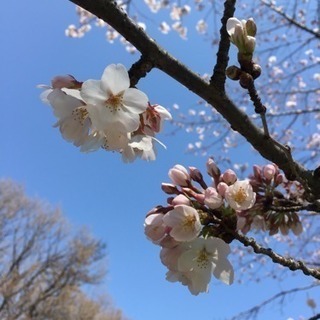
column 97, row 190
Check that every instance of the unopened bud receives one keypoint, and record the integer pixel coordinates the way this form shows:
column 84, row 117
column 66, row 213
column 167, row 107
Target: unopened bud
column 169, row 188
column 269, row 171
column 179, row 175
column 279, row 179
column 246, row 80
column 67, row 81
column 251, row 27
column 233, row 72
column 256, row 71
column 212, row 169
column 195, row 174
column 229, row 177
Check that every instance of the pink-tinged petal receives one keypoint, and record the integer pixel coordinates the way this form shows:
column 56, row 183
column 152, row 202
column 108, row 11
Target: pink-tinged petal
column 92, row 93
column 115, row 79
column 135, row 100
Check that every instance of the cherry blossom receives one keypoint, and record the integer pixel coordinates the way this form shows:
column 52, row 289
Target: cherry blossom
column 112, row 105
column 203, row 258
column 240, row 195
column 184, row 222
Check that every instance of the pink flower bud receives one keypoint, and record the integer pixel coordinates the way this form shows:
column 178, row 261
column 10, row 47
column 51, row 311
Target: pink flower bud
column 195, row 174
column 229, row 177
column 212, row 198
column 212, row 169
column 179, row 175
column 169, row 188
column 279, row 179
column 222, row 188
column 269, row 171
column 67, row 81
column 180, row 199
column 257, row 172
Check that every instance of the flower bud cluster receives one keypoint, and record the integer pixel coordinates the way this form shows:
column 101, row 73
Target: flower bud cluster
column 106, row 114
column 276, row 205
column 242, row 35
column 199, row 220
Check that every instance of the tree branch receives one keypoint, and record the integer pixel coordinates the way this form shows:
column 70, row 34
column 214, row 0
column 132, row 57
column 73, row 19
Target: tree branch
column 219, row 75
column 290, row 263
column 254, row 310
column 290, row 19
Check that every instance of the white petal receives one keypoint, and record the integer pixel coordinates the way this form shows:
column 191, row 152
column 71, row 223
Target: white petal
column 224, row 271
column 115, row 79
column 63, row 104
column 92, row 93
column 135, row 100
column 231, row 24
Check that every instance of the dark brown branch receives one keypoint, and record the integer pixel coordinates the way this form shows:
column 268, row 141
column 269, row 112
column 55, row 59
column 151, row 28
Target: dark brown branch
column 290, row 263
column 108, row 11
column 219, row 73
column 139, row 70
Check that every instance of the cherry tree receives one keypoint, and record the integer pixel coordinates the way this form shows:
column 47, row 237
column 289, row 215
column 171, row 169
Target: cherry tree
column 261, row 90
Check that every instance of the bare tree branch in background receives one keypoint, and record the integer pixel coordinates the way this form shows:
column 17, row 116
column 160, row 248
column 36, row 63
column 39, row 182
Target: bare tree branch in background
column 42, row 265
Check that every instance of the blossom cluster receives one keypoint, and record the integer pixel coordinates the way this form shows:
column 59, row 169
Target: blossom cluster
column 199, row 221
column 106, row 114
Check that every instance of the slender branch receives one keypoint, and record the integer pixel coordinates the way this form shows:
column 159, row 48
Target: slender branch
column 315, row 317
column 108, row 11
column 219, row 75
column 254, row 310
column 290, row 263
column 290, row 19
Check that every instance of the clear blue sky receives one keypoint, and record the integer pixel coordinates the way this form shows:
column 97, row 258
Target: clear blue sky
column 97, row 189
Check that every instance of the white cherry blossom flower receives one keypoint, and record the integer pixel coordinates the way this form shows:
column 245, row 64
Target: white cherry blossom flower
column 112, row 105
column 73, row 120
column 184, row 222
column 204, row 258
column 240, row 195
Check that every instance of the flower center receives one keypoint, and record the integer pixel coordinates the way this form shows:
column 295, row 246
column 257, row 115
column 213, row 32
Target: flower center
column 114, row 102
column 189, row 222
column 202, row 259
column 80, row 114
column 240, row 195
